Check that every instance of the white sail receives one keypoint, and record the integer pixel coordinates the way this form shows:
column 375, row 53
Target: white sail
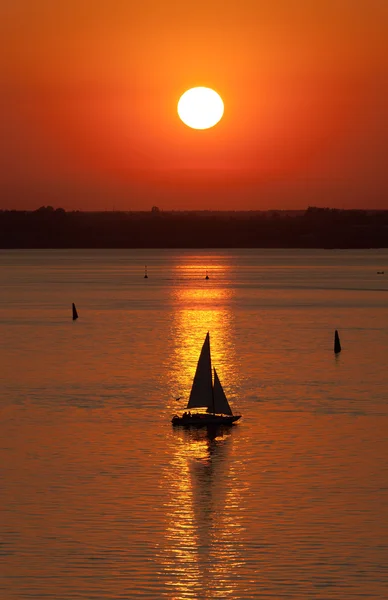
column 221, row 404
column 201, row 394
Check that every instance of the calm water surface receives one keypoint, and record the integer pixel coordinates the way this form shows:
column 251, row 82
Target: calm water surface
column 102, row 499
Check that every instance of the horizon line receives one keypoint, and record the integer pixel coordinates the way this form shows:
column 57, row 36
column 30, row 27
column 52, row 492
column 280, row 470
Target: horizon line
column 158, row 210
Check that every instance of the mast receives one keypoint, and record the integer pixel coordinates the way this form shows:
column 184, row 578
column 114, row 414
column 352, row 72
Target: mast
column 213, row 405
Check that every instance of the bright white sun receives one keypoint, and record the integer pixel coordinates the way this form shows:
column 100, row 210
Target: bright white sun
column 200, row 108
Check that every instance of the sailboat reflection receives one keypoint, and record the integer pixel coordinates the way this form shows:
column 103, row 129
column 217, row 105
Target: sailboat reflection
column 202, row 552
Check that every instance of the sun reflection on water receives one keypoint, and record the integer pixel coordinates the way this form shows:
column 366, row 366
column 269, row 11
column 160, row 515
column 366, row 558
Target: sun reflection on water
column 199, row 308
column 202, row 552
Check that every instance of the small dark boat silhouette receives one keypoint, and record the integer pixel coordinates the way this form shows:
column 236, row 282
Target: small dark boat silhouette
column 75, row 314
column 207, row 276
column 206, row 393
column 145, row 272
column 337, row 343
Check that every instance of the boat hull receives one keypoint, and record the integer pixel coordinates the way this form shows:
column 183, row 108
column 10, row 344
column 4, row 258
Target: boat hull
column 204, row 420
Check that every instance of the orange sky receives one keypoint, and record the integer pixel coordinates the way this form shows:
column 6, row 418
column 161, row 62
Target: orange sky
column 89, row 91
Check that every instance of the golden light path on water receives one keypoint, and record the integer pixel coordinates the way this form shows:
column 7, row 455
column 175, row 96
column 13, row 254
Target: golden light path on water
column 198, row 307
column 202, row 552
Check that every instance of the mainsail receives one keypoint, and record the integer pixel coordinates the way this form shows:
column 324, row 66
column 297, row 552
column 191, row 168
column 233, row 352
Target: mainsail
column 201, row 394
column 221, row 404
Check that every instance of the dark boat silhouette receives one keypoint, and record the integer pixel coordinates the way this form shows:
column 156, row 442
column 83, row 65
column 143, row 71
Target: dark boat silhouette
column 337, row 343
column 75, row 314
column 207, row 395
column 145, row 272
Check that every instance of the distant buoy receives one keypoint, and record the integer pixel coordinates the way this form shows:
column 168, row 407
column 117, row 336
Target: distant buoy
column 75, row 314
column 337, row 343
column 145, row 272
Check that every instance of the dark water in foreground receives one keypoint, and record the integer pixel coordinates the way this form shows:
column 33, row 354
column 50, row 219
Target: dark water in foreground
column 102, row 499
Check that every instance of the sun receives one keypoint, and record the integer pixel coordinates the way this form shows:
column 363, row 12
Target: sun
column 200, row 108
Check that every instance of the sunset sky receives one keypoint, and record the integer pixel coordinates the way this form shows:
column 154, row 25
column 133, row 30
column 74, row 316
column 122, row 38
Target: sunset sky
column 89, row 90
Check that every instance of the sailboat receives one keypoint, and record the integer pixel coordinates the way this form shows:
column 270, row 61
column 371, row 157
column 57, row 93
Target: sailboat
column 75, row 314
column 206, row 394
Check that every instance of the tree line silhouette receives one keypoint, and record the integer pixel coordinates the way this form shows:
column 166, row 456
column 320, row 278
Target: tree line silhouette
column 48, row 227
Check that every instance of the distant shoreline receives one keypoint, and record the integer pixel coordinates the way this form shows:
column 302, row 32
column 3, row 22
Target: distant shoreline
column 314, row 228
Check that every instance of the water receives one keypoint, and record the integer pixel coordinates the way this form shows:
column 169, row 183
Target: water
column 102, row 499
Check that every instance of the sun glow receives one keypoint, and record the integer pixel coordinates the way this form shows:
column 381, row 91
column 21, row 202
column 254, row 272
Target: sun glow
column 200, row 108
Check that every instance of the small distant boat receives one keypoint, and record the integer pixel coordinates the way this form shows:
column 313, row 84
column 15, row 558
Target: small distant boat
column 337, row 343
column 207, row 276
column 380, row 272
column 145, row 272
column 206, row 395
column 75, row 314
